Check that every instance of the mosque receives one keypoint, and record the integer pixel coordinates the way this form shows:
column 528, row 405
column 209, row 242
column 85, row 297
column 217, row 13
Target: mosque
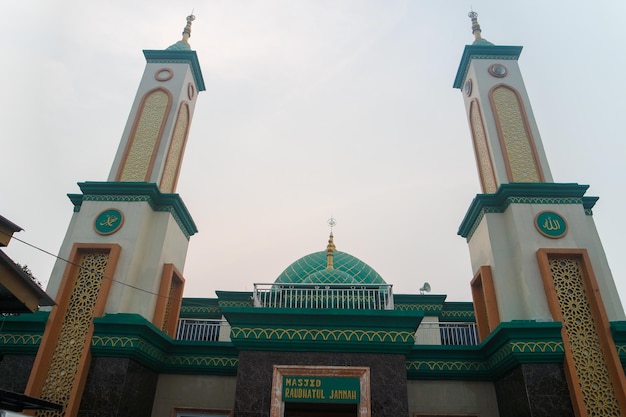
column 545, row 333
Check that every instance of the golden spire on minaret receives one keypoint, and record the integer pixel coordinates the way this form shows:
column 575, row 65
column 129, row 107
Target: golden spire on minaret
column 187, row 30
column 183, row 44
column 330, row 248
column 476, row 29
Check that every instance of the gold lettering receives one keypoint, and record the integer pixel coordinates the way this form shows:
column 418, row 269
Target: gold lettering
column 109, row 221
column 551, row 224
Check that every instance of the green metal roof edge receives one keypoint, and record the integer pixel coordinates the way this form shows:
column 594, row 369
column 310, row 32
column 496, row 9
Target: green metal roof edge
column 483, row 52
column 523, row 192
column 183, row 57
column 21, row 334
column 137, row 191
column 460, row 311
column 509, row 345
column 430, row 304
column 132, row 336
column 618, row 330
column 374, row 331
column 200, row 308
column 321, row 317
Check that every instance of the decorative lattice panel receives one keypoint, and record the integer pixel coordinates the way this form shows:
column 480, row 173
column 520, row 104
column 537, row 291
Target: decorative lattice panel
column 515, row 137
column 168, row 306
column 74, row 332
column 146, row 137
column 482, row 150
column 175, row 154
column 591, row 369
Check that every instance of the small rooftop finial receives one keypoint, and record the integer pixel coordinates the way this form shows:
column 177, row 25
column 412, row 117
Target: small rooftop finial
column 187, row 30
column 476, row 29
column 330, row 248
column 475, row 26
column 183, row 44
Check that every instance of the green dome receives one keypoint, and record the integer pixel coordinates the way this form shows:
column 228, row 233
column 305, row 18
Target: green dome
column 330, row 276
column 179, row 46
column 311, row 269
column 481, row 41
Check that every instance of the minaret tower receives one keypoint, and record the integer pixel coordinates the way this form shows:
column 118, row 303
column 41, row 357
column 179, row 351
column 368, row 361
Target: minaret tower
column 534, row 248
column 126, row 244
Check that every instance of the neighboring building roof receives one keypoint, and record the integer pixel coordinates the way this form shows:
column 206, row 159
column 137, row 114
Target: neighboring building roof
column 18, row 292
column 312, row 269
column 7, row 228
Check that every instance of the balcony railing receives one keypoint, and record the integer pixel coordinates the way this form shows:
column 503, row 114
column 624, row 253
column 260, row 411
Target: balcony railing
column 447, row 334
column 427, row 334
column 201, row 330
column 331, row 296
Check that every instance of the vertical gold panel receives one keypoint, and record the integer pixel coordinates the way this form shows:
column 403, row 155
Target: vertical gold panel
column 481, row 149
column 74, row 335
column 586, row 356
column 517, row 146
column 143, row 143
column 175, row 153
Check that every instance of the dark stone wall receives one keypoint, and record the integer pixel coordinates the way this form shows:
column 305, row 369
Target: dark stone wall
column 534, row 390
column 254, row 379
column 15, row 371
column 118, row 387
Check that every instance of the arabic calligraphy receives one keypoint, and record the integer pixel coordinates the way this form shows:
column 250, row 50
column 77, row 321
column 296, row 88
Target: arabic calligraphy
column 109, row 221
column 551, row 224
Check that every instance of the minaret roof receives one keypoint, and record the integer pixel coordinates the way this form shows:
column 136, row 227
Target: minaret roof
column 482, row 49
column 478, row 40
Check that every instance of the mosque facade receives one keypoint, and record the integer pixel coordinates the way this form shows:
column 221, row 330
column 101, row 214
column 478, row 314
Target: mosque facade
column 544, row 334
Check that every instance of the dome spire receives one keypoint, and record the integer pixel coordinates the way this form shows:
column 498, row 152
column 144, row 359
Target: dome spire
column 187, row 30
column 183, row 44
column 476, row 29
column 330, row 248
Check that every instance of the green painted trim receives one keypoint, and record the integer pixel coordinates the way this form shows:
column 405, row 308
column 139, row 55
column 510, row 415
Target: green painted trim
column 137, row 192
column 234, row 298
column 132, row 336
column 430, row 304
column 21, row 334
column 509, row 345
column 178, row 57
column 458, row 311
column 523, row 193
column 327, row 330
column 618, row 330
column 200, row 308
column 483, row 52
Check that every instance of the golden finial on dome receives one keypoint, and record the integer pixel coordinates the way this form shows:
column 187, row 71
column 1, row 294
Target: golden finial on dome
column 478, row 39
column 187, row 30
column 475, row 26
column 330, row 248
column 183, row 44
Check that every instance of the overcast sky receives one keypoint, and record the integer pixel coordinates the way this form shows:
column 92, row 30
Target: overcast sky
column 312, row 109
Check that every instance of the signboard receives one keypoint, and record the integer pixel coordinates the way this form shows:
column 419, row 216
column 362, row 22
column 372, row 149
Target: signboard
column 315, row 389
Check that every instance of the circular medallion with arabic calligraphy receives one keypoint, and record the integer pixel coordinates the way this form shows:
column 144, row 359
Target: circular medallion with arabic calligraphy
column 109, row 222
column 551, row 224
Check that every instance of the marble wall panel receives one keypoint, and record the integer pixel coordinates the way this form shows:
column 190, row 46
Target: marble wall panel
column 15, row 371
column 118, row 387
column 254, row 379
column 534, row 390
